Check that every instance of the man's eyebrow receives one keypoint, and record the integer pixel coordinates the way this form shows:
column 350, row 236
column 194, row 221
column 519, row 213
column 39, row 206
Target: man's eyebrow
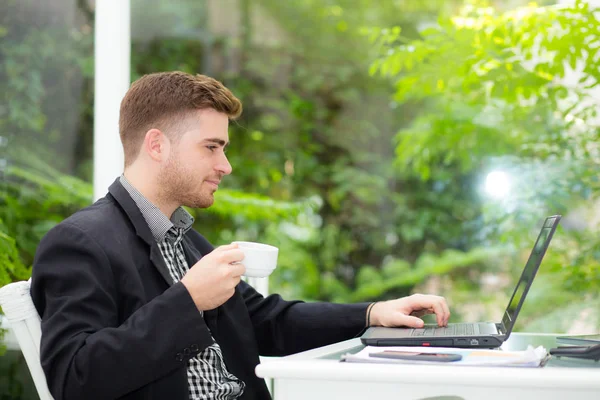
column 220, row 142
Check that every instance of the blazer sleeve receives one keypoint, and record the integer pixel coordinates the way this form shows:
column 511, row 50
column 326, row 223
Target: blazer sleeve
column 85, row 352
column 286, row 327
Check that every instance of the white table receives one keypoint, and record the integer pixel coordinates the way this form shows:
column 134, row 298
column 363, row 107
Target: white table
column 318, row 374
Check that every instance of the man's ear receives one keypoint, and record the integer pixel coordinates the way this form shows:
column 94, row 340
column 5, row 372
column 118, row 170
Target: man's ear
column 156, row 145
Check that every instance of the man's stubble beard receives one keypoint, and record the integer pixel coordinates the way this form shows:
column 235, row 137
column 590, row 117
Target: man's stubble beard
column 176, row 185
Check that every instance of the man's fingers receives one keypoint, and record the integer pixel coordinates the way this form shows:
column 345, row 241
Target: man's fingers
column 446, row 311
column 407, row 320
column 420, row 313
column 226, row 247
column 440, row 314
column 238, row 269
column 407, row 310
column 231, row 256
column 436, row 303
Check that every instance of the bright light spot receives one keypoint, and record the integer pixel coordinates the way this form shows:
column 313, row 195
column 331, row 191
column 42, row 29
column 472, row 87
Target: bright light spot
column 497, row 184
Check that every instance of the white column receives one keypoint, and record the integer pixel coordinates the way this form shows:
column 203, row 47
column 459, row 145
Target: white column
column 112, row 65
column 260, row 284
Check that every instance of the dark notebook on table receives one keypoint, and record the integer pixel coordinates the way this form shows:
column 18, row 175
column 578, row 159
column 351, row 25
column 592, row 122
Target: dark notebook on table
column 478, row 334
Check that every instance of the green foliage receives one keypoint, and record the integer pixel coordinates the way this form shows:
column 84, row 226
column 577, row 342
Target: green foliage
column 15, row 379
column 320, row 132
column 42, row 60
column 45, row 58
column 398, row 273
column 495, row 91
column 254, row 207
column 33, row 198
column 11, row 266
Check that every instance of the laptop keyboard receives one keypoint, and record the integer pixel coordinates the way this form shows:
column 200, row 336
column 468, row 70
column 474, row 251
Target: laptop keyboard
column 450, row 330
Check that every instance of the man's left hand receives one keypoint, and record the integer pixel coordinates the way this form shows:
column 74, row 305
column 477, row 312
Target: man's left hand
column 407, row 310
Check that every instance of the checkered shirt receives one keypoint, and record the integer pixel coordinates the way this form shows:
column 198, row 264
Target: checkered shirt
column 208, row 377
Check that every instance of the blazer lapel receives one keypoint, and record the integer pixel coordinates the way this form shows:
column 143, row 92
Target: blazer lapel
column 192, row 256
column 158, row 261
column 122, row 197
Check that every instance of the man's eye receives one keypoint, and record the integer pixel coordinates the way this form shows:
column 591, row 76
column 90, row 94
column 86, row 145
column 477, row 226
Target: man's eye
column 211, row 148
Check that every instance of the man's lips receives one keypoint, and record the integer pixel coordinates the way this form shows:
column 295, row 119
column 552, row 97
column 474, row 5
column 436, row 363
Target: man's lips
column 213, row 183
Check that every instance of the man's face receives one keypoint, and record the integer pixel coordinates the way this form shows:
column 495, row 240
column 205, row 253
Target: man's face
column 197, row 161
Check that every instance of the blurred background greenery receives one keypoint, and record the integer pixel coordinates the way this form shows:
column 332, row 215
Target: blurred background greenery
column 386, row 148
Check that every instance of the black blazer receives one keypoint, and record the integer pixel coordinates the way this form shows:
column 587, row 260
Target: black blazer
column 115, row 326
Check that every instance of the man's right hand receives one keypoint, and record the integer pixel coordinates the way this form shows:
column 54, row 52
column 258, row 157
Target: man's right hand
column 212, row 280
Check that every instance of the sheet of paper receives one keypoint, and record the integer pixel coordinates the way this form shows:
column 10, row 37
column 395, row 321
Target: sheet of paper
column 532, row 357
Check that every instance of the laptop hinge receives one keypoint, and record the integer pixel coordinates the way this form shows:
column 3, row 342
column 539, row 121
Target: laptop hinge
column 500, row 328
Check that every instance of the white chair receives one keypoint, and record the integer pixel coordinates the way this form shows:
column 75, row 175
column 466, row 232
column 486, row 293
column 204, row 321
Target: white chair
column 25, row 322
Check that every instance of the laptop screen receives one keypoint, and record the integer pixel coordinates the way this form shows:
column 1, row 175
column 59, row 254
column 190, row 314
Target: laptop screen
column 534, row 261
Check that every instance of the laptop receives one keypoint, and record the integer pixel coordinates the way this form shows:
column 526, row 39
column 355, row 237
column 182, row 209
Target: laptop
column 469, row 335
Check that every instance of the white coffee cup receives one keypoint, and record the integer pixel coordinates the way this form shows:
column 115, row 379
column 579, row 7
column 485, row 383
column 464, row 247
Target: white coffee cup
column 259, row 259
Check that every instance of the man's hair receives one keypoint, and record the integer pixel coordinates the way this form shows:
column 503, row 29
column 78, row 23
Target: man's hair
column 162, row 100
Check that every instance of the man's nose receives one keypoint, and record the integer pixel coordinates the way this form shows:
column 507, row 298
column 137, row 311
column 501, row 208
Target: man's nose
column 224, row 166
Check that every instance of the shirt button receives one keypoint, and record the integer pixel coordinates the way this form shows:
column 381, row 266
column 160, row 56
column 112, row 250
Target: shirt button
column 179, row 357
column 194, row 348
column 186, row 351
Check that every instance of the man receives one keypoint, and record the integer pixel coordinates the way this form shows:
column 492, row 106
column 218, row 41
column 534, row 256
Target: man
column 137, row 305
